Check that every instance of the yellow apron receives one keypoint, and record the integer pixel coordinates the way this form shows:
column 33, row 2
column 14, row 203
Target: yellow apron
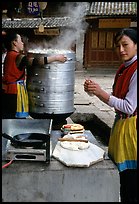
column 123, row 143
column 22, row 100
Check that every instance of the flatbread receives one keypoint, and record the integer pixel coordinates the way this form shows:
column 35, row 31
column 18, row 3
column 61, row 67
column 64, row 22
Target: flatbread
column 72, row 127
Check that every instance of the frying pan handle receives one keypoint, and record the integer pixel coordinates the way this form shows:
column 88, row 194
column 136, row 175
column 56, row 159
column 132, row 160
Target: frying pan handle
column 8, row 137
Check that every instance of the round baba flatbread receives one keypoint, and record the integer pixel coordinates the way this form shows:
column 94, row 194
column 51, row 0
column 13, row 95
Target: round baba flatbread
column 75, row 146
column 73, row 127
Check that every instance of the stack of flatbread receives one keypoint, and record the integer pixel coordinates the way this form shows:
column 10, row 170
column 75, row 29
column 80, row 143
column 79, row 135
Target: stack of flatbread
column 72, row 128
column 74, row 142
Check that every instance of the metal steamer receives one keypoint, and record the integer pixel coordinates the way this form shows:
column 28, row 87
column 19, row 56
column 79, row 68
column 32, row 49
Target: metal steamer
column 51, row 86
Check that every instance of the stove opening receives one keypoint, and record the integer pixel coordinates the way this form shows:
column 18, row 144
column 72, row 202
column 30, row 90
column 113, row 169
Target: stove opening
column 25, row 156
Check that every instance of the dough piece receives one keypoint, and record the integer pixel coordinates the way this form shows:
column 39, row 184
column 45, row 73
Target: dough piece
column 83, row 145
column 75, row 146
column 69, row 145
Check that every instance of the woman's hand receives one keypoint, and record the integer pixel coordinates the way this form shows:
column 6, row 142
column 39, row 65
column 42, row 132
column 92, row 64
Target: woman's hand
column 92, row 87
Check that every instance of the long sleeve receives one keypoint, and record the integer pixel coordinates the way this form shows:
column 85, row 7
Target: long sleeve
column 129, row 103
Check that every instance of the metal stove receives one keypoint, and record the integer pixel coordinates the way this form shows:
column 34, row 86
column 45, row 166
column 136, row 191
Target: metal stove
column 43, row 153
column 40, row 153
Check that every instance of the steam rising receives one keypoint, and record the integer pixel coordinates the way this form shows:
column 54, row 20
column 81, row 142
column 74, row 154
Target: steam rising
column 77, row 26
column 76, row 11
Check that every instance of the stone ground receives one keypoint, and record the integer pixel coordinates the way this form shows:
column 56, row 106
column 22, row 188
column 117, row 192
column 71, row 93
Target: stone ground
column 91, row 105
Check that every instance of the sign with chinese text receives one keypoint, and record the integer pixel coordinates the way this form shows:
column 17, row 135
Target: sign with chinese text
column 33, row 8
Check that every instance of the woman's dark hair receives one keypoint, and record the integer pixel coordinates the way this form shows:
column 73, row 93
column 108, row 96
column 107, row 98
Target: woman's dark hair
column 130, row 32
column 10, row 36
